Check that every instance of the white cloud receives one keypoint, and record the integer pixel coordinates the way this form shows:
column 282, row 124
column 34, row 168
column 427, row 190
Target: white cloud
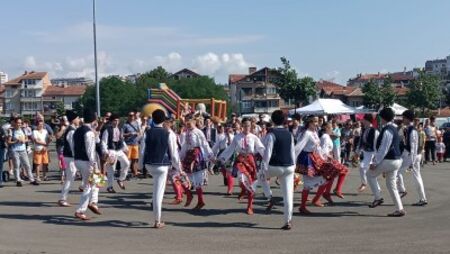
column 139, row 36
column 30, row 62
column 215, row 65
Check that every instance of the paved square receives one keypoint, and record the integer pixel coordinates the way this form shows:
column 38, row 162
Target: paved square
column 31, row 222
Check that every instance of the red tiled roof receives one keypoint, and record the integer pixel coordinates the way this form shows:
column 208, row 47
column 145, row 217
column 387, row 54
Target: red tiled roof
column 333, row 88
column 445, row 112
column 396, row 76
column 28, row 75
column 64, row 91
column 399, row 91
column 233, row 78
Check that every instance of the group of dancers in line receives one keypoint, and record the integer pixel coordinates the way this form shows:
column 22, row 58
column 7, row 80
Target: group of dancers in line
column 186, row 157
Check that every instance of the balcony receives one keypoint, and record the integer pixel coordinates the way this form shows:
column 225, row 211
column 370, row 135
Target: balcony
column 30, row 99
column 265, row 109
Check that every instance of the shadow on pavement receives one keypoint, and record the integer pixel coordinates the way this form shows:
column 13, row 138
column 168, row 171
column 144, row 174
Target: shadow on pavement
column 218, row 225
column 71, row 221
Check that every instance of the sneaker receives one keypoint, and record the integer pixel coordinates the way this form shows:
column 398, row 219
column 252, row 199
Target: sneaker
column 400, row 213
column 19, row 184
column 403, row 194
column 421, row 203
column 35, row 183
column 376, row 203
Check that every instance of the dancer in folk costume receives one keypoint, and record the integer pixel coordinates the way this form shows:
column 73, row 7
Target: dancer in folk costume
column 160, row 153
column 307, row 149
column 195, row 153
column 246, row 145
column 330, row 169
column 86, row 161
column 279, row 161
column 411, row 158
column 367, row 148
column 387, row 161
column 224, row 139
column 112, row 137
column 68, row 152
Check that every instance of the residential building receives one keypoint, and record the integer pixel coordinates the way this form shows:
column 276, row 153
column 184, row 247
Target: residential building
column 66, row 82
column 327, row 89
column 404, row 78
column 355, row 98
column 23, row 94
column 66, row 95
column 255, row 92
column 439, row 67
column 185, row 73
column 3, row 77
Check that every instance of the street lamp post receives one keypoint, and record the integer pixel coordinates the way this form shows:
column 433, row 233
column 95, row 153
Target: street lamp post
column 97, row 85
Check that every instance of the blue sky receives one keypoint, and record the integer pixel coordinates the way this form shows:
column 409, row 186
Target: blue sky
column 327, row 39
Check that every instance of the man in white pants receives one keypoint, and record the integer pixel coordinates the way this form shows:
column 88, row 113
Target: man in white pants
column 112, row 138
column 160, row 153
column 411, row 158
column 68, row 149
column 388, row 161
column 86, row 161
column 279, row 161
column 367, row 146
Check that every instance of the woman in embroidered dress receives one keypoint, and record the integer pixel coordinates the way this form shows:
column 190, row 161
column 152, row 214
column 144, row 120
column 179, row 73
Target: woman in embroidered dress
column 195, row 152
column 246, row 145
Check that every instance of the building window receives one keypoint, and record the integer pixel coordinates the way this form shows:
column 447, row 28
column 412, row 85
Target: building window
column 28, row 93
column 246, row 105
column 9, row 93
column 246, row 91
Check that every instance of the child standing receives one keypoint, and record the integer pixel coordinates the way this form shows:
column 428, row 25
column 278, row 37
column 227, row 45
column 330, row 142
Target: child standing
column 440, row 149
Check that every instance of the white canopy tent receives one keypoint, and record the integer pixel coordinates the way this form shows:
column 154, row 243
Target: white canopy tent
column 323, row 107
column 398, row 109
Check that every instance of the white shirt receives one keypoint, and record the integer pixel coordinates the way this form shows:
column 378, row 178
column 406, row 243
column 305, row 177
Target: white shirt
column 39, row 136
column 386, row 142
column 243, row 144
column 414, row 142
column 69, row 139
column 309, row 142
column 173, row 150
column 326, row 145
column 223, row 141
column 365, row 137
column 117, row 135
column 440, row 147
column 269, row 142
column 89, row 141
column 195, row 138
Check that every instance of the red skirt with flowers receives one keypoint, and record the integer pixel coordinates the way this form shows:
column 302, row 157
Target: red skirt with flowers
column 193, row 161
column 332, row 168
column 245, row 163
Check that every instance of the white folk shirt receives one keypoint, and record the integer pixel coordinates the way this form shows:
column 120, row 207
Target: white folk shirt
column 365, row 136
column 90, row 141
column 326, row 145
column 173, row 150
column 223, row 141
column 243, row 144
column 40, row 136
column 69, row 139
column 269, row 141
column 414, row 143
column 386, row 142
column 195, row 138
column 116, row 137
column 309, row 142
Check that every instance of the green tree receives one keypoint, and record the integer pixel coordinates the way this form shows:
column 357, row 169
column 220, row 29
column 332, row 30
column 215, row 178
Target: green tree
column 60, row 110
column 372, row 95
column 291, row 87
column 425, row 93
column 387, row 92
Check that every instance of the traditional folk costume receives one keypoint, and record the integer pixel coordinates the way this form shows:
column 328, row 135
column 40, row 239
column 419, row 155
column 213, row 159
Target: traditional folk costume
column 246, row 146
column 388, row 161
column 411, row 158
column 367, row 146
column 160, row 152
column 71, row 170
column 195, row 152
column 279, row 161
column 86, row 161
column 307, row 149
column 223, row 141
column 330, row 169
column 117, row 151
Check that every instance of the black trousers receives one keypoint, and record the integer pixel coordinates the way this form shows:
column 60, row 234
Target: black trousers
column 430, row 148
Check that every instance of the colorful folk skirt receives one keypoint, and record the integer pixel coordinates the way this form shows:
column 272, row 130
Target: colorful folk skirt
column 305, row 164
column 194, row 161
column 246, row 166
column 332, row 168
